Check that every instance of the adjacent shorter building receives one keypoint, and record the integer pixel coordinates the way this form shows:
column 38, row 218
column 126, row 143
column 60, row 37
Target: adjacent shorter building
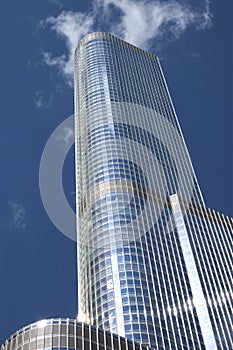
column 65, row 333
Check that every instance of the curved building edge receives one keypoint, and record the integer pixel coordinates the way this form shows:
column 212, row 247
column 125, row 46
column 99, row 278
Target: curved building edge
column 100, row 35
column 66, row 333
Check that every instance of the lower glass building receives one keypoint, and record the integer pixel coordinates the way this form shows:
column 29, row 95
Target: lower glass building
column 154, row 264
column 64, row 334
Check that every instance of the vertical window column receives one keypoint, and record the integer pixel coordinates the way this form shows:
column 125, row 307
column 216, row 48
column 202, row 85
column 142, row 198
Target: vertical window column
column 198, row 296
column 118, row 299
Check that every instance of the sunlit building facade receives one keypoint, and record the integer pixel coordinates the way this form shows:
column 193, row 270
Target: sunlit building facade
column 154, row 264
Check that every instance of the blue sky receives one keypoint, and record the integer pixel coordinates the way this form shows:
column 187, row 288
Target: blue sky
column 193, row 41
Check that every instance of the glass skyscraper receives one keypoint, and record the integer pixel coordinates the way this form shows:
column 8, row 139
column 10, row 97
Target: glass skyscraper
column 154, row 264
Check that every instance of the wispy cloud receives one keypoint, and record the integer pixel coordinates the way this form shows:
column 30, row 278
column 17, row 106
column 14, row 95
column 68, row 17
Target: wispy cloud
column 17, row 218
column 39, row 99
column 71, row 27
column 67, row 135
column 139, row 22
column 143, row 21
column 43, row 101
column 57, row 3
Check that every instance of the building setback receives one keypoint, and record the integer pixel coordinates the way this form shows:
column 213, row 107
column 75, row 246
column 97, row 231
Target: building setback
column 154, row 264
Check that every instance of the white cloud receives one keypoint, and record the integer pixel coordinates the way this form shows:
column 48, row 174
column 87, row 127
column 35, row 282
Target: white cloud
column 70, row 26
column 67, row 135
column 41, row 100
column 206, row 16
column 139, row 22
column 143, row 21
column 17, row 219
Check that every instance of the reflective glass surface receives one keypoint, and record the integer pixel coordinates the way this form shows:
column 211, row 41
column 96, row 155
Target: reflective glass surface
column 66, row 334
column 135, row 277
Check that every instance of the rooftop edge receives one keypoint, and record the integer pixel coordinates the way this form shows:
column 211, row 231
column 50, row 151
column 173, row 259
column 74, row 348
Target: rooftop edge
column 96, row 35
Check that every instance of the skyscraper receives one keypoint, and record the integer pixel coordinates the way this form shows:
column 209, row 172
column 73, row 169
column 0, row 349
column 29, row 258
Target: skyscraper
column 155, row 265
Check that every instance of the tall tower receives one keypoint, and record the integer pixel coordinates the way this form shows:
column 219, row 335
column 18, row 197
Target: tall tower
column 154, row 264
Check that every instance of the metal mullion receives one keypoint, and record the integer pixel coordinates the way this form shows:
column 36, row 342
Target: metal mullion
column 213, row 228
column 180, row 130
column 164, row 259
column 163, row 228
column 203, row 272
column 165, row 132
column 179, row 154
column 218, row 243
column 144, row 261
column 181, row 312
column 213, row 277
column 224, row 237
column 186, row 288
column 150, row 209
column 160, row 279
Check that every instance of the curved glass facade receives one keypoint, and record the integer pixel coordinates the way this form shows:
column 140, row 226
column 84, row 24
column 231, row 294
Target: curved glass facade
column 133, row 171
column 66, row 334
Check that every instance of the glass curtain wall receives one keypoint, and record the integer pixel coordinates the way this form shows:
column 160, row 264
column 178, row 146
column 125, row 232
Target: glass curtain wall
column 134, row 178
